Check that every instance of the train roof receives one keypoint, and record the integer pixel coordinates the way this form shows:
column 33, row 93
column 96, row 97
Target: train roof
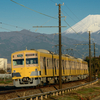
column 45, row 51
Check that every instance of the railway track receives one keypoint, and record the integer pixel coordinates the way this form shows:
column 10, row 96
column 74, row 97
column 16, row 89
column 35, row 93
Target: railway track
column 42, row 89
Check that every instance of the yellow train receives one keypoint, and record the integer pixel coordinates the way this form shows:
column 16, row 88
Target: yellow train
column 34, row 67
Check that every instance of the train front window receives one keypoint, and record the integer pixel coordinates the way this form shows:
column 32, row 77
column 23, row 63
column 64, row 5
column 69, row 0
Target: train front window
column 18, row 62
column 32, row 61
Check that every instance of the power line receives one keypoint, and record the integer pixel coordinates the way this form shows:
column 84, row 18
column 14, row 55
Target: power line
column 71, row 11
column 45, row 22
column 5, row 28
column 11, row 25
column 46, row 26
column 69, row 16
column 33, row 10
column 66, row 13
column 72, row 28
column 23, row 28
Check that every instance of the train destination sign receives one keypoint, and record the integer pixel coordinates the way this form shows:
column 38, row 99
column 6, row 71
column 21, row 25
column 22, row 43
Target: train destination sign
column 31, row 54
column 20, row 55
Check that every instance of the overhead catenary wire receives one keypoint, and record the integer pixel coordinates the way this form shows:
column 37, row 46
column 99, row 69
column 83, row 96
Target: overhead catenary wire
column 24, row 28
column 11, row 25
column 73, row 29
column 70, row 10
column 69, row 15
column 72, row 13
column 46, row 22
column 66, row 13
column 33, row 10
column 73, row 20
column 5, row 29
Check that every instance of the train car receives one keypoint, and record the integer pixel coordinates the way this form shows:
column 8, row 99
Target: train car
column 37, row 67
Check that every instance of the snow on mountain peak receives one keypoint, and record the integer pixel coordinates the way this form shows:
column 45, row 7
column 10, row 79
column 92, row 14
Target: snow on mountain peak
column 89, row 23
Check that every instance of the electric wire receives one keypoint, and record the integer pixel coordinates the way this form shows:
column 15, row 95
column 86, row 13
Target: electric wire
column 73, row 14
column 46, row 22
column 33, row 10
column 24, row 28
column 5, row 29
column 69, row 15
column 73, row 29
column 70, row 10
column 11, row 25
column 72, row 19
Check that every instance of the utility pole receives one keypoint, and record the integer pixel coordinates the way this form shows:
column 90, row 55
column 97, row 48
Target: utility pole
column 94, row 63
column 60, row 69
column 89, row 58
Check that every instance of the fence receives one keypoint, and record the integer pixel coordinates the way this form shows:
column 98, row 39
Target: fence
column 40, row 96
column 5, row 76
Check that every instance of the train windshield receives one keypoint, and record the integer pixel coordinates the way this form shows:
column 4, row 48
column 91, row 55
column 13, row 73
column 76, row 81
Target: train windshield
column 32, row 61
column 18, row 62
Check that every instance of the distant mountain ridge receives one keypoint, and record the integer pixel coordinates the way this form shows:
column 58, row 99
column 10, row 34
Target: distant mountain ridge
column 18, row 40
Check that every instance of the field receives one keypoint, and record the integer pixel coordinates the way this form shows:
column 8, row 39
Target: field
column 6, row 81
column 87, row 93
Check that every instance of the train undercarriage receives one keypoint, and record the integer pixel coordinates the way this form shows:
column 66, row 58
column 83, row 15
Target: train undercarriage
column 26, row 81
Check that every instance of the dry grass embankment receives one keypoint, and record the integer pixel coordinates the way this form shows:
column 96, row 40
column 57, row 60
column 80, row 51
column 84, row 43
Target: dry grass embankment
column 85, row 93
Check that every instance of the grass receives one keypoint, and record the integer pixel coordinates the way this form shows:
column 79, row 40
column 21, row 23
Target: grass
column 82, row 94
column 6, row 81
column 85, row 90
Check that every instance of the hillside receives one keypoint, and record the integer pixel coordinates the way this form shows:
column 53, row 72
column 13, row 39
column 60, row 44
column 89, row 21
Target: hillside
column 15, row 41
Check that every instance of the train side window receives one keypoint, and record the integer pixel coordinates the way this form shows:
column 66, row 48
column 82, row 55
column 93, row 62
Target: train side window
column 70, row 64
column 65, row 63
column 74, row 64
column 47, row 62
column 67, row 66
column 57, row 63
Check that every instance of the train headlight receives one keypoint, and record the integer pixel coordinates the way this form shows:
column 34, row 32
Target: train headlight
column 14, row 71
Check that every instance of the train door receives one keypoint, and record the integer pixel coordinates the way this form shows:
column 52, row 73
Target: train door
column 63, row 67
column 55, row 66
column 70, row 67
column 45, row 69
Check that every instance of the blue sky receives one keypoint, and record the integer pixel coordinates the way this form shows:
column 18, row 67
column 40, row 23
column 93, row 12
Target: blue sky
column 14, row 17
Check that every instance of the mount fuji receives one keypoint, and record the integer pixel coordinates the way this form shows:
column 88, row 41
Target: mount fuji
column 90, row 23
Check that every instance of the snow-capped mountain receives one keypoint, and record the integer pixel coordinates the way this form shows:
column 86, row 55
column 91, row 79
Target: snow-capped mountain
column 89, row 23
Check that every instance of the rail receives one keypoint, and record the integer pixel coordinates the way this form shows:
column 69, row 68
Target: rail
column 45, row 95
